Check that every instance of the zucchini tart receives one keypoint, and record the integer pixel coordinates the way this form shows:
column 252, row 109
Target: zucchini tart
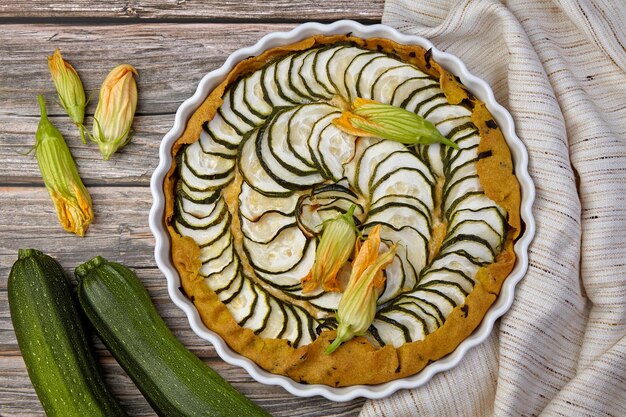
column 263, row 166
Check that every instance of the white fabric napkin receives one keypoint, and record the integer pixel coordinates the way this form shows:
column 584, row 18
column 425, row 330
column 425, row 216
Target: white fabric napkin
column 560, row 69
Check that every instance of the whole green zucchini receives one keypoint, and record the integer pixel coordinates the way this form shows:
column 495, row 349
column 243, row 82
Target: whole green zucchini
column 173, row 380
column 53, row 342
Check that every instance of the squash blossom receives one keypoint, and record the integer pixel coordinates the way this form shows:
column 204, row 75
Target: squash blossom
column 357, row 306
column 333, row 251
column 70, row 90
column 370, row 118
column 116, row 108
column 70, row 197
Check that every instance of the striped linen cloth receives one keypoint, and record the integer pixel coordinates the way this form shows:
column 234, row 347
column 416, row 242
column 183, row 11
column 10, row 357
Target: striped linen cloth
column 560, row 68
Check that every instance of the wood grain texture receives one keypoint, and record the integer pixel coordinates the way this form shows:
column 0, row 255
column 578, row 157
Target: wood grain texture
column 171, row 60
column 207, row 9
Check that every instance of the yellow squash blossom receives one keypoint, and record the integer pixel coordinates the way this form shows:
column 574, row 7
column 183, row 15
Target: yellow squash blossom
column 369, row 118
column 116, row 109
column 357, row 306
column 70, row 197
column 70, row 90
column 333, row 251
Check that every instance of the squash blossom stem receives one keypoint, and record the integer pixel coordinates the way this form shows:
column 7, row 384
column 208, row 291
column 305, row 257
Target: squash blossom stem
column 357, row 306
column 60, row 175
column 334, row 249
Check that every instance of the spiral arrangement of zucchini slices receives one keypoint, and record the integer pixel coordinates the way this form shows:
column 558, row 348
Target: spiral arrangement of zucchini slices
column 298, row 169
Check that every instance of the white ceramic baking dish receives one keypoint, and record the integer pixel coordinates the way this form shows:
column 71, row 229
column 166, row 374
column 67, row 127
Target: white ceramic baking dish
column 477, row 86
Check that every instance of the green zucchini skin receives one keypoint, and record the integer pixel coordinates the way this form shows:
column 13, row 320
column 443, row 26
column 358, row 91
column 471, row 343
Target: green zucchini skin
column 173, row 380
column 53, row 342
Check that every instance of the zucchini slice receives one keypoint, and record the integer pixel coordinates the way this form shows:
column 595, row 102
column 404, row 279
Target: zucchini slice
column 279, row 143
column 325, row 203
column 320, row 67
column 193, row 222
column 413, row 322
column 370, row 74
column 490, row 215
column 368, row 161
column 399, row 200
column 398, row 160
column 457, row 262
column 478, row 228
column 404, row 181
column 392, row 333
column 353, row 73
column 276, row 320
column 450, row 290
column 222, row 132
column 241, row 124
column 472, row 201
column 283, row 82
column 290, row 279
column 231, row 291
column 296, row 81
column 254, row 95
column 335, row 149
column 225, row 277
column 260, row 313
column 398, row 216
column 287, row 178
column 424, row 99
column 409, row 88
column 308, row 76
column 242, row 305
column 217, row 248
column 454, row 277
column 325, row 301
column 241, row 107
column 386, row 84
column 253, row 204
column 254, row 174
column 194, row 208
column 198, row 197
column 219, row 263
column 394, row 280
column 271, row 89
column 337, row 65
column 441, row 301
column 300, row 129
column 478, row 248
column 293, row 326
column 204, row 237
column 196, row 183
column 267, row 227
column 280, row 254
column 210, row 146
column 429, row 320
column 308, row 325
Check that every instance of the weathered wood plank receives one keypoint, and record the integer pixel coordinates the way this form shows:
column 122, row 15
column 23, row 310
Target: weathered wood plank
column 171, row 59
column 207, row 9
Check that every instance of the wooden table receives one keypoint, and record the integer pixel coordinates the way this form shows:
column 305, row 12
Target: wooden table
column 172, row 44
